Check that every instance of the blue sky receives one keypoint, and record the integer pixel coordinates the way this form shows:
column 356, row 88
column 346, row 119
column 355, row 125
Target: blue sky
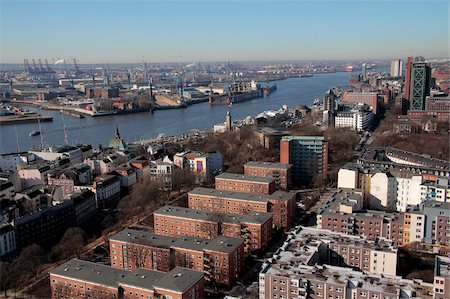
column 124, row 31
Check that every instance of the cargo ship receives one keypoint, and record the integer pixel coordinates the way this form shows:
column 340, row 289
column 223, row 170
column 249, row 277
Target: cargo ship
column 236, row 97
column 269, row 89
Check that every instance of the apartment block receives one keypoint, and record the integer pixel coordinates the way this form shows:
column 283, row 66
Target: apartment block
column 107, row 191
column 255, row 227
column 206, row 165
column 281, row 204
column 407, row 189
column 245, row 183
column 414, row 159
column 227, row 201
column 437, row 189
column 313, row 263
column 382, row 192
column 82, row 279
column 282, row 173
column 45, row 226
column 308, row 156
column 221, row 259
column 413, row 227
column 437, row 224
column 342, row 213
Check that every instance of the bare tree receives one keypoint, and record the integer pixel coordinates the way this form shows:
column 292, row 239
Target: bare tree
column 30, row 260
column 71, row 243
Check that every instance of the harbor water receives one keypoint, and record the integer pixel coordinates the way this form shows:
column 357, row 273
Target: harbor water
column 133, row 127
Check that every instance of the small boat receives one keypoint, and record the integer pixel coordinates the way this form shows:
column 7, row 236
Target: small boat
column 35, row 133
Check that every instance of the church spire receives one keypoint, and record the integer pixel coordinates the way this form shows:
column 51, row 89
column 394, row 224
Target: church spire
column 117, row 132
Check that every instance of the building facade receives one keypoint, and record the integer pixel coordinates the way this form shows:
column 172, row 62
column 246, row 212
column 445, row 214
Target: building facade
column 255, row 227
column 281, row 204
column 244, row 183
column 107, row 191
column 82, row 279
column 308, row 156
column 282, row 173
column 221, row 258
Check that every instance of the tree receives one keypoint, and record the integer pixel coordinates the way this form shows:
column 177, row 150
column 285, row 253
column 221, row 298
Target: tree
column 71, row 243
column 5, row 277
column 182, row 178
column 31, row 259
column 147, row 194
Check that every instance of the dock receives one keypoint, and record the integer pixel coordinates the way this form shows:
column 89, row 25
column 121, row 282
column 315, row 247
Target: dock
column 20, row 119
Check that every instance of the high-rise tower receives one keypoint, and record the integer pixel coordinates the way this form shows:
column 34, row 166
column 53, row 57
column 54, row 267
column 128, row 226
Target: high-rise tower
column 417, row 82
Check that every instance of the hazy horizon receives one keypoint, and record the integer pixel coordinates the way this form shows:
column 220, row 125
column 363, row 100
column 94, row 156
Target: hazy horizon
column 215, row 31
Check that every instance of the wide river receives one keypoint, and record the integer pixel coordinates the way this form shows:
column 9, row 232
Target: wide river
column 133, row 127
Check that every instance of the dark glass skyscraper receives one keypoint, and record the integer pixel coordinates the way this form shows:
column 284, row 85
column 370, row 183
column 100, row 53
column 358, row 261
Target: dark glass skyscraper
column 418, row 82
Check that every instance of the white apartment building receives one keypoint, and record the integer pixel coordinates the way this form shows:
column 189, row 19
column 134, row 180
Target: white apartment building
column 438, row 190
column 383, row 262
column 162, row 170
column 382, row 191
column 9, row 162
column 407, row 189
column 359, row 118
column 348, row 178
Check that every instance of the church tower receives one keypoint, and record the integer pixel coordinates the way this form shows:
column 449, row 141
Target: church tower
column 228, row 121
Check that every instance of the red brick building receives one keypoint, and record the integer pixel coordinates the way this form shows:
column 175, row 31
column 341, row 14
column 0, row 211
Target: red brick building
column 370, row 224
column 244, row 183
column 283, row 207
column 282, row 173
column 368, row 98
column 421, row 114
column 254, row 227
column 82, row 279
column 227, row 201
column 221, row 259
column 281, row 204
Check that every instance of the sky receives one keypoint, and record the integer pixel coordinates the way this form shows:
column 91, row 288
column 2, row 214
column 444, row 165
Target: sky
column 238, row 30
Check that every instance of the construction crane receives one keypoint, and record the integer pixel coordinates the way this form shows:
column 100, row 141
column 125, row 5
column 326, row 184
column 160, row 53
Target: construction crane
column 76, row 70
column 34, row 65
column 41, row 68
column 27, row 66
column 47, row 66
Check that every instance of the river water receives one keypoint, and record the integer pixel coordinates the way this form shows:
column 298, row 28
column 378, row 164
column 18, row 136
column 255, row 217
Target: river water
column 133, row 127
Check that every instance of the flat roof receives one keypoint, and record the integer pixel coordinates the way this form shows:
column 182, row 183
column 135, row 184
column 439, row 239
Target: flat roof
column 90, row 272
column 306, row 138
column 246, row 178
column 268, row 165
column 224, row 244
column 220, row 244
column 229, row 194
column 181, row 212
column 178, row 279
